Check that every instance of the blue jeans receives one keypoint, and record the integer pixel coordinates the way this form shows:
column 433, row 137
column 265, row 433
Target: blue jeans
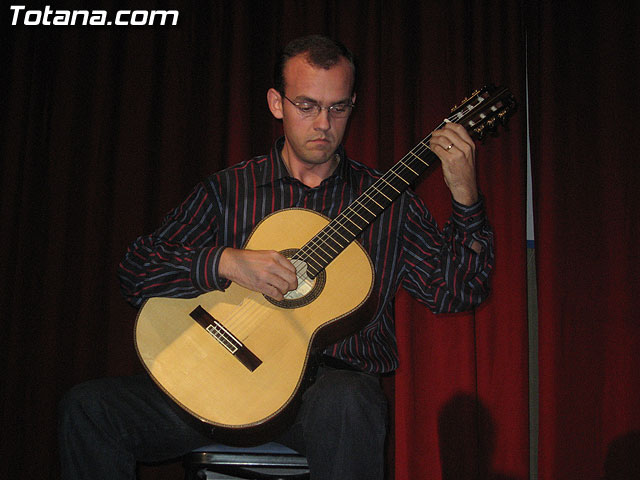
column 108, row 425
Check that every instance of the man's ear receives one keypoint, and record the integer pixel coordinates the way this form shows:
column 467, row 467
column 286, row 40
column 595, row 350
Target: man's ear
column 274, row 100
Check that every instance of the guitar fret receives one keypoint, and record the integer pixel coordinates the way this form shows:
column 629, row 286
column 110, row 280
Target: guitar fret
column 428, row 147
column 401, row 178
column 382, row 193
column 347, row 234
column 324, row 251
column 360, row 216
column 343, row 237
column 310, row 261
column 365, row 207
column 412, row 170
column 320, row 261
column 335, row 250
column 389, row 183
column 381, row 207
column 344, row 226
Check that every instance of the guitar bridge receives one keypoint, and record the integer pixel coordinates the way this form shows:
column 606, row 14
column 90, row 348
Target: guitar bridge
column 225, row 338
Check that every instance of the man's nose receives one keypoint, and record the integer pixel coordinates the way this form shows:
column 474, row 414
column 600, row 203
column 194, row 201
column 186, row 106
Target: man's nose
column 323, row 120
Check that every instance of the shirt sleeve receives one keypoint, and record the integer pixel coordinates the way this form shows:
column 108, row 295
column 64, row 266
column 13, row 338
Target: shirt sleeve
column 180, row 259
column 442, row 269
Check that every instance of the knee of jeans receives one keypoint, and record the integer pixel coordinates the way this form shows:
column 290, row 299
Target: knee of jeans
column 78, row 403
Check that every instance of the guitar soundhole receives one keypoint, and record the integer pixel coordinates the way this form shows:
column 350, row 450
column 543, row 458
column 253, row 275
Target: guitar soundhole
column 308, row 288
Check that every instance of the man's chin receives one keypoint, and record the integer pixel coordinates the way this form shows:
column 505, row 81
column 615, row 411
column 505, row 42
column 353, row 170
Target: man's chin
column 319, row 155
column 319, row 158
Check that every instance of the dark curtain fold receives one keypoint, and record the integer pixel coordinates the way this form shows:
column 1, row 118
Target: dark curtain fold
column 107, row 128
column 584, row 61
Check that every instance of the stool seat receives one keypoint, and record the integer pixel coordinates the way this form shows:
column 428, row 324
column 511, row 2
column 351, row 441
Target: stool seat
column 268, row 461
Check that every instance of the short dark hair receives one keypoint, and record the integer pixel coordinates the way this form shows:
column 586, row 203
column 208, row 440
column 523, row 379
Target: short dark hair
column 320, row 51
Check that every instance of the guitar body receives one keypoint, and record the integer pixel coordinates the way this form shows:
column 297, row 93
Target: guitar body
column 257, row 384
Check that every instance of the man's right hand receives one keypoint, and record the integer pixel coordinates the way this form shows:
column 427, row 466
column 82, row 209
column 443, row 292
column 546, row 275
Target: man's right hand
column 265, row 271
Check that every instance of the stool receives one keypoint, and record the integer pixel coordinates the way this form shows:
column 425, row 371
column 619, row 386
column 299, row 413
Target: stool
column 269, row 461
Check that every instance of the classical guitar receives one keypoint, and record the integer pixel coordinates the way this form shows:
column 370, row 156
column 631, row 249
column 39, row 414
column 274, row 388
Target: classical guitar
column 237, row 359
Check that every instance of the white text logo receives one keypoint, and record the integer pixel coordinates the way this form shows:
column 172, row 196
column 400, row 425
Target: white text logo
column 91, row 17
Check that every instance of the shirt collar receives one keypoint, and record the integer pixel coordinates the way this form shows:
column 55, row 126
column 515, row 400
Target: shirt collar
column 277, row 170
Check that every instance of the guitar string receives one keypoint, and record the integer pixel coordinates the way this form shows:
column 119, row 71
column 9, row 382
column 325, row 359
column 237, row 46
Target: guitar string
column 244, row 319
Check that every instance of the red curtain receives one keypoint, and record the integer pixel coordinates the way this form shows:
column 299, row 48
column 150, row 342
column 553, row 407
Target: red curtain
column 105, row 129
column 461, row 390
column 585, row 144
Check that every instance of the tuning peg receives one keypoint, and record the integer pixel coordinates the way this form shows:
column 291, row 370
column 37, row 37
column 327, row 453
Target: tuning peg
column 503, row 115
column 479, row 131
column 456, row 106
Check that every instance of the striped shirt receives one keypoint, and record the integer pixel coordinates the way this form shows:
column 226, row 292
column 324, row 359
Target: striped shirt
column 406, row 247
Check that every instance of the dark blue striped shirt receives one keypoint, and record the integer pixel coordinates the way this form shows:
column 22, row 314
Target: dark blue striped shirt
column 407, row 249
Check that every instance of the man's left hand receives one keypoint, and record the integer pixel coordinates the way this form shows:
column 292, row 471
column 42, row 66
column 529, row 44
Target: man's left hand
column 457, row 152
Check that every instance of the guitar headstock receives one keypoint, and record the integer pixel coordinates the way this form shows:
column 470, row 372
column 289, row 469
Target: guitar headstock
column 484, row 109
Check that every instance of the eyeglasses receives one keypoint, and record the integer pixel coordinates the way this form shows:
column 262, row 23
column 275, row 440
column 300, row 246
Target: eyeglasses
column 313, row 109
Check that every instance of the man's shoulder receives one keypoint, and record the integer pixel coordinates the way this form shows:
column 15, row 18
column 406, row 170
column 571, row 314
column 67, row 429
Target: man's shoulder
column 236, row 169
column 258, row 161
